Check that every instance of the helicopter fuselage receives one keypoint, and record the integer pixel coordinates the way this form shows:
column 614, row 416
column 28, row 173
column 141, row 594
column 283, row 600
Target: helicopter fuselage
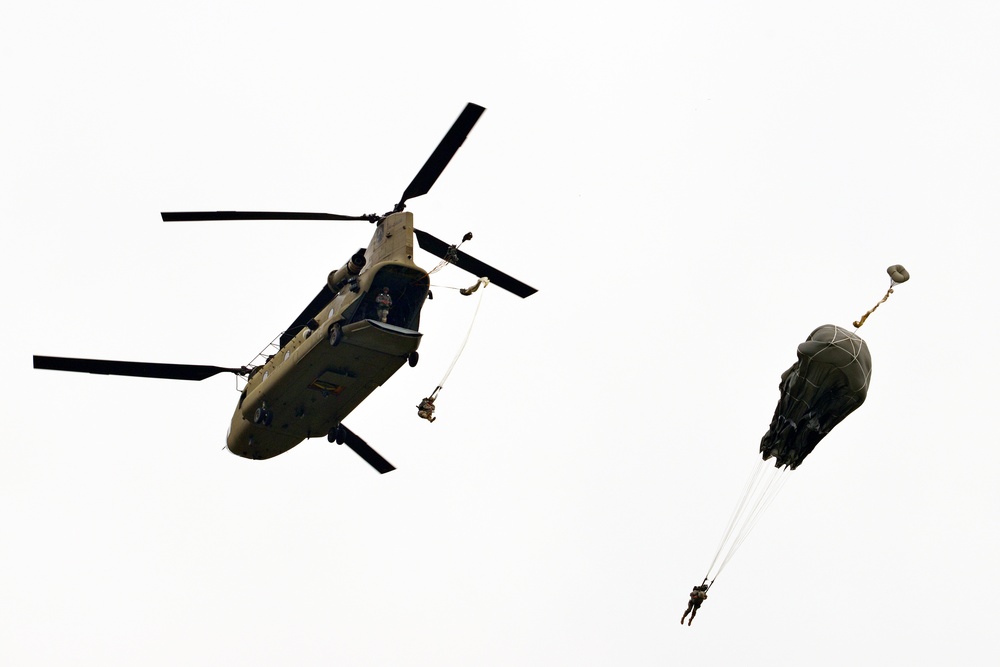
column 341, row 354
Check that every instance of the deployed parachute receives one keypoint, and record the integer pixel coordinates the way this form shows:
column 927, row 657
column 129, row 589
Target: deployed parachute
column 827, row 383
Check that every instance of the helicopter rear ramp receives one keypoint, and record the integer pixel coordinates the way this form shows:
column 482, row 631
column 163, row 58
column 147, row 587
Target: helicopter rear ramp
column 381, row 337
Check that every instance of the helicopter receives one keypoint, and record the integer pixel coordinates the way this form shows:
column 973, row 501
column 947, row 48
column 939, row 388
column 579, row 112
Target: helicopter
column 346, row 343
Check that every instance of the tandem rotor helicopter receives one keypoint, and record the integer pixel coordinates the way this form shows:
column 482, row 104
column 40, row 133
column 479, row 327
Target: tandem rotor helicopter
column 346, row 342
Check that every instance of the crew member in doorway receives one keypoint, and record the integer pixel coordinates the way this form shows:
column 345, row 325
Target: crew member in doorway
column 383, row 302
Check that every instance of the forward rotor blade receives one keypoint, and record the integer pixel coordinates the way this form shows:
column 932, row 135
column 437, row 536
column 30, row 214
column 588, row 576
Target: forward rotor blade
column 436, row 246
column 362, row 449
column 439, row 159
column 193, row 216
column 133, row 368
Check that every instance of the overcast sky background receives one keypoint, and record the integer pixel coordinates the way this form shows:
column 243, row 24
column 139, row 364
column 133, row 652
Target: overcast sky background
column 693, row 188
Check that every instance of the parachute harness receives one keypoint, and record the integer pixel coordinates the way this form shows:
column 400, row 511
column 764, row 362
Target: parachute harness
column 425, row 410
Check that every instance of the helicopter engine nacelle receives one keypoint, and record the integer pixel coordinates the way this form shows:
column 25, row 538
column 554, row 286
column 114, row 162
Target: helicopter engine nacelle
column 337, row 279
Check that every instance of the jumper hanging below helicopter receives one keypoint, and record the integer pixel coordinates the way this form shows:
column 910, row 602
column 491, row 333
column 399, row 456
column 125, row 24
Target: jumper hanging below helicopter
column 360, row 328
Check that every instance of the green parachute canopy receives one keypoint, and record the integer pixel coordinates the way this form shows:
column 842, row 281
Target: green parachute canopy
column 827, row 383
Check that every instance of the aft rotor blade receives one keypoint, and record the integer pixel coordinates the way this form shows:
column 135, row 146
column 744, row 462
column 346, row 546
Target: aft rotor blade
column 436, row 246
column 133, row 368
column 193, row 216
column 362, row 449
column 439, row 159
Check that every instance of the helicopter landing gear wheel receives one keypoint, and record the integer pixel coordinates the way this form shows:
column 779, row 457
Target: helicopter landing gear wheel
column 336, row 334
column 262, row 416
column 336, row 435
column 412, row 358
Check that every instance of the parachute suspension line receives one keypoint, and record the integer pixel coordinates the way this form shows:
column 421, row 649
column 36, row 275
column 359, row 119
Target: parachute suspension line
column 737, row 511
column 749, row 512
column 759, row 492
column 426, row 408
column 897, row 274
column 771, row 490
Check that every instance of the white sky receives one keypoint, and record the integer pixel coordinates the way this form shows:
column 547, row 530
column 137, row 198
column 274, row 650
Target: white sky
column 693, row 187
